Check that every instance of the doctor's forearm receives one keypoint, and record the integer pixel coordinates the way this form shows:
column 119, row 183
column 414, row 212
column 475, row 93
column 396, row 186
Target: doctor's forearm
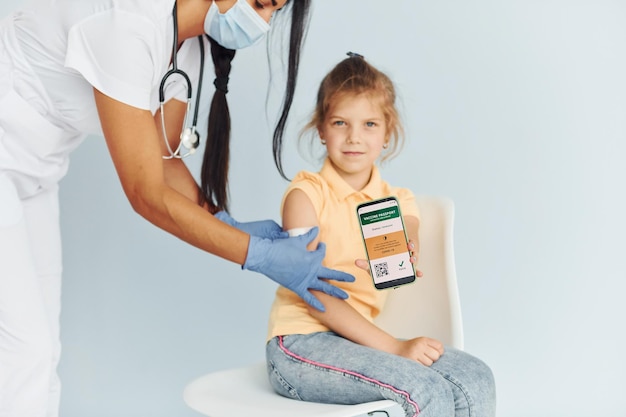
column 134, row 145
column 178, row 177
column 176, row 214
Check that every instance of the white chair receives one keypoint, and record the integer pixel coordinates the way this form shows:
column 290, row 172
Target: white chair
column 429, row 307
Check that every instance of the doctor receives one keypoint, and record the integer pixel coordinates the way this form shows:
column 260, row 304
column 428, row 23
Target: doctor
column 126, row 70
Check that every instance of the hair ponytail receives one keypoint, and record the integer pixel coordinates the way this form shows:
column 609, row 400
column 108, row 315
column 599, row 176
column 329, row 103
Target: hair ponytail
column 214, row 174
column 299, row 19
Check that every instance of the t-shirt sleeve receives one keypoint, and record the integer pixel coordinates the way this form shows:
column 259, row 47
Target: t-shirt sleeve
column 311, row 184
column 117, row 52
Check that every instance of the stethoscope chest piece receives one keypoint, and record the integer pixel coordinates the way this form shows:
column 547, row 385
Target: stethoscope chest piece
column 190, row 139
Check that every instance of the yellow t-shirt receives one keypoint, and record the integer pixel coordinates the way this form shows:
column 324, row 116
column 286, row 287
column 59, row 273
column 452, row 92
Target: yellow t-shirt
column 335, row 203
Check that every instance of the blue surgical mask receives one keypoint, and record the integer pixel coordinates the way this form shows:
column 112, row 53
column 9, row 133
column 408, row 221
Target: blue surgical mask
column 238, row 28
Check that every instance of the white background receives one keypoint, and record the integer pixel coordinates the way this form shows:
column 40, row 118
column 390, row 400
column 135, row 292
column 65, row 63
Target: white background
column 515, row 110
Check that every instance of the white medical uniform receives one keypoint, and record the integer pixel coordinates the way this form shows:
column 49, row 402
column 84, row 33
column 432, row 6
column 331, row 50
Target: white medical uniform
column 51, row 57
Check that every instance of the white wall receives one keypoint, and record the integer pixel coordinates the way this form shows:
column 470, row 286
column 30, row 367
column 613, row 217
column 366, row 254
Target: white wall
column 516, row 110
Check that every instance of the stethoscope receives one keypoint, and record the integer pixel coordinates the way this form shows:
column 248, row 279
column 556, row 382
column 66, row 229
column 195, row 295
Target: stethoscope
column 189, row 137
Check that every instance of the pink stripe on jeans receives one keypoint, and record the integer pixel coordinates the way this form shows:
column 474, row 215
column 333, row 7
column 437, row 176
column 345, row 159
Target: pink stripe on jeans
column 382, row 384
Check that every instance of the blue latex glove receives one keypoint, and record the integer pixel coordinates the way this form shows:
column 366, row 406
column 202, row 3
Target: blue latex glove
column 288, row 262
column 267, row 229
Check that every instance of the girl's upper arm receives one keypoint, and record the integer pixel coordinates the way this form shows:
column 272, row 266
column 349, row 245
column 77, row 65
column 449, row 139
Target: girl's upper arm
column 298, row 211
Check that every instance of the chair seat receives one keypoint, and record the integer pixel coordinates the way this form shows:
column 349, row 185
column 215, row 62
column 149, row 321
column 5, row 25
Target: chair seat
column 213, row 395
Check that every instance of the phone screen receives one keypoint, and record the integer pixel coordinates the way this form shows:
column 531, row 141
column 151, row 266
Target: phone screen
column 385, row 243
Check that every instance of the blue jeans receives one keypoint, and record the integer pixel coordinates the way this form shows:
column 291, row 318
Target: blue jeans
column 324, row 367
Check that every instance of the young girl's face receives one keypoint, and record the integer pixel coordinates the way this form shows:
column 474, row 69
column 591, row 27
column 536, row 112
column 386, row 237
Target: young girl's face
column 355, row 131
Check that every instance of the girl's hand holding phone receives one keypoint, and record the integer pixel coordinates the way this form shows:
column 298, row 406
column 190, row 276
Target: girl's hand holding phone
column 363, row 264
column 414, row 254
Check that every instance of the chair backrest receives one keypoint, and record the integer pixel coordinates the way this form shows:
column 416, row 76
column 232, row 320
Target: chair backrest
column 430, row 306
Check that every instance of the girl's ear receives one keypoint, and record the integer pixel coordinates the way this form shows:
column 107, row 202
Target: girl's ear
column 320, row 132
column 387, row 141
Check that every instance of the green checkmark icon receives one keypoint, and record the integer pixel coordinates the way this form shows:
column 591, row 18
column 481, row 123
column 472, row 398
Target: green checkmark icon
column 401, row 263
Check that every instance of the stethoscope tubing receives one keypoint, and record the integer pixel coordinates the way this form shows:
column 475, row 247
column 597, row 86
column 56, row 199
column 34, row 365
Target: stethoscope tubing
column 177, row 153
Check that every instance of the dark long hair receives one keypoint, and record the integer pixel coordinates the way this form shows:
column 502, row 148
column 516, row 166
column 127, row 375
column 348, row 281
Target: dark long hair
column 214, row 173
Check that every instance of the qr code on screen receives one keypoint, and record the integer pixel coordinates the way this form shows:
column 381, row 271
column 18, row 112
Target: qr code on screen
column 381, row 269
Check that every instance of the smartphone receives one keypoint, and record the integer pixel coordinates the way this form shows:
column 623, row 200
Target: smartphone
column 385, row 240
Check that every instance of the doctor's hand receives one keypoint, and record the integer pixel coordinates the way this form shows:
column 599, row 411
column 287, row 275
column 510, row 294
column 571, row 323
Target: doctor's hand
column 267, row 229
column 288, row 262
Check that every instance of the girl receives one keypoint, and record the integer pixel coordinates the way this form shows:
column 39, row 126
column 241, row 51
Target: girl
column 125, row 69
column 340, row 356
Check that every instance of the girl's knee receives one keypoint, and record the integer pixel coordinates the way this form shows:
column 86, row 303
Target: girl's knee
column 486, row 393
column 483, row 378
column 471, row 380
column 480, row 388
column 434, row 398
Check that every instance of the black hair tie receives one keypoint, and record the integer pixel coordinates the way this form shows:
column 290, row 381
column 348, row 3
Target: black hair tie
column 354, row 55
column 221, row 84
